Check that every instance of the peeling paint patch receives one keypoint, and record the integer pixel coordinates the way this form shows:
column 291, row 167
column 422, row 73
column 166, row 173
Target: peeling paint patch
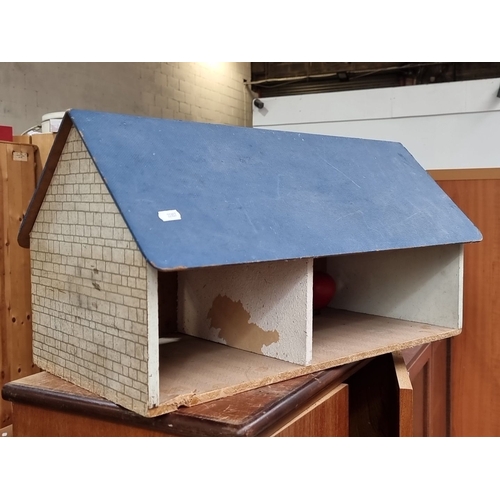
column 233, row 322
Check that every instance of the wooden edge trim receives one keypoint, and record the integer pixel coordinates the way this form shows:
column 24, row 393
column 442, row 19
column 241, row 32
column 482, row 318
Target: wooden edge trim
column 416, row 358
column 23, row 237
column 465, row 174
column 16, row 143
column 301, row 397
column 303, row 410
column 178, row 422
column 94, row 407
column 24, row 139
column 405, row 393
column 402, row 374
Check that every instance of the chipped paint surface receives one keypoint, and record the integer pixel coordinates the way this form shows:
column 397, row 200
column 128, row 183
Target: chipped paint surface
column 234, row 327
column 241, row 306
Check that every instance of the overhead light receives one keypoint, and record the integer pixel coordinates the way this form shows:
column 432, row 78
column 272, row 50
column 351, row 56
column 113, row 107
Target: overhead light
column 212, row 65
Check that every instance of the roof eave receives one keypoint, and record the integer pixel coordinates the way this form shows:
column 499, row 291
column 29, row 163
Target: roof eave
column 23, row 237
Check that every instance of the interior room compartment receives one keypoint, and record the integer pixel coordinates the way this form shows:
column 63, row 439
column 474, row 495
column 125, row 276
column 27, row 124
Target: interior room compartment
column 385, row 301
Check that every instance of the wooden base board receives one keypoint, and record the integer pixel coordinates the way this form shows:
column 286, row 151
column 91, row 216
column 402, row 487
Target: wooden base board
column 194, row 371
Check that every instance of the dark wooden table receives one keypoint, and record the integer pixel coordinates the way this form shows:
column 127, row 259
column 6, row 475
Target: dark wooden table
column 400, row 394
column 312, row 405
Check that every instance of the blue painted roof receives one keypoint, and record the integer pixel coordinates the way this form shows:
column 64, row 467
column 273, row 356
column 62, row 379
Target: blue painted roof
column 247, row 195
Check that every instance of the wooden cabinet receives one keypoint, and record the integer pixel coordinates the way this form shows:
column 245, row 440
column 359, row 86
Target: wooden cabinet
column 326, row 416
column 312, row 405
column 474, row 355
column 17, row 182
column 429, row 372
column 381, row 399
column 21, row 163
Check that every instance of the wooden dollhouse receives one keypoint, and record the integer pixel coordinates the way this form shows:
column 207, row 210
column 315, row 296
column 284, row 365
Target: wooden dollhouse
column 172, row 262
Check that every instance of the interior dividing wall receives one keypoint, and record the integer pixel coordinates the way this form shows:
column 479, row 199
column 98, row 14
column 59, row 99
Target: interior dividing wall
column 263, row 307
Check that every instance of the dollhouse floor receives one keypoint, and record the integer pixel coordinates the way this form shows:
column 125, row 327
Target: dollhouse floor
column 194, row 370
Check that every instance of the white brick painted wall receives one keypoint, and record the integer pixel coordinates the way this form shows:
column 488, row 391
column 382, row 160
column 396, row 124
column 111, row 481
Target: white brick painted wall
column 186, row 91
column 89, row 286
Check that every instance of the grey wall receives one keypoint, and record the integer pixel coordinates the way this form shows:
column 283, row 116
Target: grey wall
column 209, row 92
column 443, row 125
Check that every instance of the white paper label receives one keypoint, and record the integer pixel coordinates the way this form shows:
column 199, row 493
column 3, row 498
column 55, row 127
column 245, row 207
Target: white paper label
column 168, row 215
column 19, row 156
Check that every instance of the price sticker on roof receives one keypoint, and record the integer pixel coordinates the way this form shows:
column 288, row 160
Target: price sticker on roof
column 169, row 215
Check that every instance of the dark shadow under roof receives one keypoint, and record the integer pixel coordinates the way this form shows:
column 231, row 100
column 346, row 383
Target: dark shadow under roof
column 249, row 195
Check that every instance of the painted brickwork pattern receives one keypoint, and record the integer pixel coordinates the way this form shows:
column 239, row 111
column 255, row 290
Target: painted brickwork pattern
column 208, row 92
column 89, row 286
